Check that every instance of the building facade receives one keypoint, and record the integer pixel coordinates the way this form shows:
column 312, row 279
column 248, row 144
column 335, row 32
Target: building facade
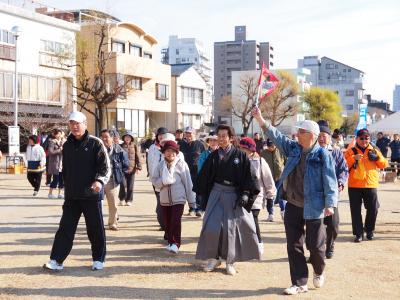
column 46, row 72
column 345, row 80
column 238, row 55
column 144, row 105
column 396, row 98
column 189, row 98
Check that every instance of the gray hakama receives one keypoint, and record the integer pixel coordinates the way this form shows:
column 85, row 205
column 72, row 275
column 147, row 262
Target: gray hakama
column 228, row 232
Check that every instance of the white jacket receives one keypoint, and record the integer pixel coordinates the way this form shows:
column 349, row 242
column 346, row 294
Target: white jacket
column 265, row 179
column 36, row 153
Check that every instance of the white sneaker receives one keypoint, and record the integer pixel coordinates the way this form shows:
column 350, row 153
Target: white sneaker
column 53, row 265
column 51, row 196
column 113, row 227
column 283, row 215
column 295, row 289
column 174, row 249
column 128, row 203
column 60, row 196
column 97, row 265
column 261, row 248
column 211, row 265
column 318, row 280
column 121, row 203
column 230, row 269
column 168, row 248
column 35, row 193
column 270, row 218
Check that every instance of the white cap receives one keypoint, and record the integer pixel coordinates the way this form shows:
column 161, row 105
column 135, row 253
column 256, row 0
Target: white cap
column 166, row 137
column 77, row 116
column 310, row 126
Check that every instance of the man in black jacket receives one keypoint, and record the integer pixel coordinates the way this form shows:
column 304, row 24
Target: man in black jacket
column 86, row 169
column 383, row 143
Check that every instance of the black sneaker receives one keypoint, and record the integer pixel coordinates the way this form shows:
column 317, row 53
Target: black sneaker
column 358, row 239
column 370, row 236
column 329, row 254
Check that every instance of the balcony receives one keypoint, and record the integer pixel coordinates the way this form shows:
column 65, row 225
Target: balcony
column 7, row 52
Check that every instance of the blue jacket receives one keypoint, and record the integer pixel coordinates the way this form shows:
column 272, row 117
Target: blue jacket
column 320, row 184
column 202, row 158
column 395, row 147
column 119, row 163
column 341, row 169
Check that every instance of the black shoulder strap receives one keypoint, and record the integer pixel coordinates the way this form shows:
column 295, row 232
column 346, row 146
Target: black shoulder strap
column 261, row 174
column 354, row 150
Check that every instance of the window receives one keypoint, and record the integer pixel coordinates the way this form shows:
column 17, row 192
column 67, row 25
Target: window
column 349, row 70
column 134, row 83
column 33, row 82
column 7, row 37
column 118, row 47
column 192, row 95
column 177, row 51
column 148, row 55
column 8, row 83
column 1, row 85
column 329, row 66
column 162, row 91
column 349, row 92
column 135, row 50
column 349, row 107
column 336, row 66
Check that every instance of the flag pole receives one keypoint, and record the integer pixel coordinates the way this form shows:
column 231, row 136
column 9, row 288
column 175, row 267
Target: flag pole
column 257, row 102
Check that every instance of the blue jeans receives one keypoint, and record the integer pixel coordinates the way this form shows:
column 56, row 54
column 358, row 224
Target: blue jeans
column 282, row 204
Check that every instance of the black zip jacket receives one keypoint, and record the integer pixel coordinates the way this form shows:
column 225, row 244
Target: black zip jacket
column 84, row 161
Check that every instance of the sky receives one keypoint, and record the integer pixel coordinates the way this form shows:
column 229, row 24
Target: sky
column 364, row 34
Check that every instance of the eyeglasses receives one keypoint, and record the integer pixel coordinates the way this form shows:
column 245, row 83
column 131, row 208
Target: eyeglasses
column 364, row 138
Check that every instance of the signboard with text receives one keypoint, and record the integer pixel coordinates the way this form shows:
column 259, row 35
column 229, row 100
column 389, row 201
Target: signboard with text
column 13, row 140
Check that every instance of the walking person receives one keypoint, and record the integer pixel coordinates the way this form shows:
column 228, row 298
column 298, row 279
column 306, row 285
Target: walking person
column 45, row 144
column 310, row 187
column 342, row 174
column 265, row 180
column 228, row 188
column 55, row 164
column 172, row 178
column 86, row 169
column 276, row 162
column 36, row 158
column 395, row 149
column 153, row 158
column 127, row 185
column 363, row 161
column 119, row 163
column 192, row 149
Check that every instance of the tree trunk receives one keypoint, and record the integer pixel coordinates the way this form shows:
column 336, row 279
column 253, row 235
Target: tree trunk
column 102, row 118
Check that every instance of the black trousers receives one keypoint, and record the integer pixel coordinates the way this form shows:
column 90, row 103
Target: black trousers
column 35, row 178
column 48, row 176
column 370, row 198
column 332, row 229
column 160, row 215
column 126, row 188
column 72, row 211
column 314, row 236
column 255, row 213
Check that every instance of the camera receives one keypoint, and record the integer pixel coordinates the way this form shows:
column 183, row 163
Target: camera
column 373, row 155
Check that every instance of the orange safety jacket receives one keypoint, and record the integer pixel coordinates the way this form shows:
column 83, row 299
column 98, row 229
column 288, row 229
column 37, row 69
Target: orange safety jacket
column 371, row 178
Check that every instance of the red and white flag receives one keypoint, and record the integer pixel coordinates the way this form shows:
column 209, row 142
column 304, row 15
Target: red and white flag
column 267, row 83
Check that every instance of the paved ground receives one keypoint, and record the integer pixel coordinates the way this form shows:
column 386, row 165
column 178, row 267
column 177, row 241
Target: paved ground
column 139, row 267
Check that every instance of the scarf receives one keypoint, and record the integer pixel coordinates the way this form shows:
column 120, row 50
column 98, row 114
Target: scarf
column 167, row 172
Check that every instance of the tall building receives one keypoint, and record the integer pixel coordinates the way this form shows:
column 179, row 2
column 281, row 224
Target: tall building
column 191, row 51
column 396, row 98
column 46, row 72
column 345, row 80
column 238, row 55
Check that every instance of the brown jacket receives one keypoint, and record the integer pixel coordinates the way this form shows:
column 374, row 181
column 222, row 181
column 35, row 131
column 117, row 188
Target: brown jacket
column 134, row 161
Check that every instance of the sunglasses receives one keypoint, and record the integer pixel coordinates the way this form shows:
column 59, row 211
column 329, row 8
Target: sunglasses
column 364, row 138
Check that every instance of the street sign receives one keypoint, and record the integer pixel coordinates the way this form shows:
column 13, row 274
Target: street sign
column 13, row 140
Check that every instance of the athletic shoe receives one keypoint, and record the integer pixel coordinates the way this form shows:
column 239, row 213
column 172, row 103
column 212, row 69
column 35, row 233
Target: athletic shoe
column 35, row 193
column 198, row 213
column 295, row 289
column 53, row 265
column 113, row 227
column 128, row 203
column 211, row 265
column 270, row 218
column 261, row 248
column 60, row 196
column 51, row 196
column 168, row 248
column 230, row 269
column 370, row 236
column 121, row 203
column 97, row 265
column 318, row 280
column 174, row 249
column 283, row 215
column 191, row 212
column 358, row 239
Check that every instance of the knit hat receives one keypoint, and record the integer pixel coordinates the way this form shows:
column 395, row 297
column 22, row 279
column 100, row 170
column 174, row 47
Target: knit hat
column 248, row 143
column 170, row 145
column 166, row 137
column 324, row 126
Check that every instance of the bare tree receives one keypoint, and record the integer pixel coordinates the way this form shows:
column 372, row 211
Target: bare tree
column 240, row 105
column 281, row 104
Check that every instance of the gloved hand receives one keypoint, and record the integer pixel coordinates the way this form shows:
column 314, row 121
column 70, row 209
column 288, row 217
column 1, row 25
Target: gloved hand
column 244, row 199
column 372, row 155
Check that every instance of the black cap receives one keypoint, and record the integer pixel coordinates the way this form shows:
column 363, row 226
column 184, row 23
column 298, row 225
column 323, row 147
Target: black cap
column 324, row 126
column 161, row 130
column 362, row 132
column 269, row 143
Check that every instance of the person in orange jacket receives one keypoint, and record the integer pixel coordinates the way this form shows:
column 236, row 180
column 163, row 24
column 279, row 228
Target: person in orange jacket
column 363, row 161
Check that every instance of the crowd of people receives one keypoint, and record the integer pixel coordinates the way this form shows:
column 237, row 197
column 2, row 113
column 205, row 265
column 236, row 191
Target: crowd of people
column 226, row 180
